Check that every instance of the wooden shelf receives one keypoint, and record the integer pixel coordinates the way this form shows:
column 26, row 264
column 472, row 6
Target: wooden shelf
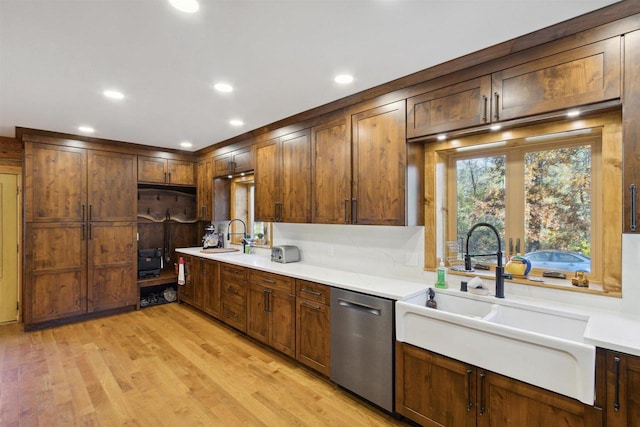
column 166, row 277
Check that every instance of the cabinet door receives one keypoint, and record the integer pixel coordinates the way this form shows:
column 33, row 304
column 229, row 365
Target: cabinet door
column 507, row 402
column 313, row 327
column 210, row 283
column 205, row 190
column 186, row 291
column 379, row 162
column 433, row 389
column 55, row 183
column 453, row 107
column 257, row 314
column 623, row 390
column 331, row 173
column 631, row 131
column 112, row 186
column 55, row 271
column 112, row 265
column 266, row 179
column 242, row 160
column 152, row 169
column 223, row 165
column 295, row 177
column 580, row 76
column 282, row 330
column 180, row 172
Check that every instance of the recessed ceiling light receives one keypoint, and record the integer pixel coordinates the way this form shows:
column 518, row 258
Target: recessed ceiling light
column 442, row 137
column 482, row 146
column 186, row 144
column 236, row 122
column 86, row 129
column 495, row 127
column 223, row 87
column 343, row 79
column 573, row 113
column 188, row 6
column 113, row 94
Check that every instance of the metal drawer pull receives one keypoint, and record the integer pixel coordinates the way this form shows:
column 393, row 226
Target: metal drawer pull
column 312, row 292
column 315, row 307
column 267, row 280
column 363, row 307
column 234, row 290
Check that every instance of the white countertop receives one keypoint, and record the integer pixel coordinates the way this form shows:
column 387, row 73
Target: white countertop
column 606, row 329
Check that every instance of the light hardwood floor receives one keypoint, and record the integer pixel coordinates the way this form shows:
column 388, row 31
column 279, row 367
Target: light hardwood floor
column 162, row 366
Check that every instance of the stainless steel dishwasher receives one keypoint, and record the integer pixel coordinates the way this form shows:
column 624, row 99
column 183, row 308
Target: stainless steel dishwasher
column 362, row 337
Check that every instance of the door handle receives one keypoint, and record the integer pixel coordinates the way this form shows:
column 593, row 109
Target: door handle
column 633, row 190
column 376, row 311
column 482, row 407
column 469, row 402
column 496, row 99
column 484, row 108
column 616, row 398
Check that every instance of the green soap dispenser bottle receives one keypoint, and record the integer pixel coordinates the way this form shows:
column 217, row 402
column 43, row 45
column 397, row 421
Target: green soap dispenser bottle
column 441, row 272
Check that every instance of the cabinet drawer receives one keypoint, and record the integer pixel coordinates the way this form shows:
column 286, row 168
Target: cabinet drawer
column 232, row 272
column 311, row 291
column 234, row 292
column 234, row 315
column 273, row 281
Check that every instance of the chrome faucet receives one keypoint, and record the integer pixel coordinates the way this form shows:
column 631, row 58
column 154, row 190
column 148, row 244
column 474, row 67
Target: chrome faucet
column 244, row 233
column 500, row 276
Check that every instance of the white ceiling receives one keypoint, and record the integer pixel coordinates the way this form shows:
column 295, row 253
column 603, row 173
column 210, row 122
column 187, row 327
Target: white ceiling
column 57, row 56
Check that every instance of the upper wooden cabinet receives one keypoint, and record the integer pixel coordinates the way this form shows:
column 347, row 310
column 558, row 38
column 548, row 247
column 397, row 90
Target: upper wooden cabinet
column 237, row 161
column 165, row 171
column 631, row 132
column 580, row 76
column 457, row 106
column 283, row 179
column 205, row 190
column 379, row 175
column 112, row 186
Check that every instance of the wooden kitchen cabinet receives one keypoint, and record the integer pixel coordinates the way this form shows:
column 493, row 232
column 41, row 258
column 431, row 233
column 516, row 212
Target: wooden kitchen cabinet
column 283, row 179
column 271, row 310
column 379, row 166
column 237, row 161
column 435, row 390
column 623, row 389
column 204, row 190
column 233, row 288
column 80, row 240
column 580, row 76
column 166, row 171
column 631, row 132
column 186, row 292
column 313, row 326
column 458, row 106
column 208, row 288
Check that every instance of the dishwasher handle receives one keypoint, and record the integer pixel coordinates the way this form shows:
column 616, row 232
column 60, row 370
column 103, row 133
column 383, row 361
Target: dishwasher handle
column 376, row 311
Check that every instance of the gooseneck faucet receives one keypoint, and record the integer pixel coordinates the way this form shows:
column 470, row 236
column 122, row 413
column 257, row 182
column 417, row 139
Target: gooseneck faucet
column 244, row 232
column 500, row 276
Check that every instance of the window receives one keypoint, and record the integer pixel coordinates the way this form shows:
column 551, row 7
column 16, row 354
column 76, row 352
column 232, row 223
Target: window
column 242, row 207
column 541, row 187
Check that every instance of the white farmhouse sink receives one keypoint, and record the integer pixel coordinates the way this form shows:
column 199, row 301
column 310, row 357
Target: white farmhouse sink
column 540, row 346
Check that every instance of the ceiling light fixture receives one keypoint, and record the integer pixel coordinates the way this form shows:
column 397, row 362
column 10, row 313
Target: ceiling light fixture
column 343, row 79
column 482, row 146
column 236, row 122
column 86, row 129
column 187, row 6
column 113, row 94
column 223, row 87
column 186, row 144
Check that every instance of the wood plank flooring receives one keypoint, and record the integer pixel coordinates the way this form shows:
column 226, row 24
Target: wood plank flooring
column 167, row 365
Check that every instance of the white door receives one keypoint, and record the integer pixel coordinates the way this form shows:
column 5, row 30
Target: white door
column 8, row 248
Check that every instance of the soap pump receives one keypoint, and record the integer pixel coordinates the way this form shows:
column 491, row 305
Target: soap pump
column 441, row 272
column 431, row 302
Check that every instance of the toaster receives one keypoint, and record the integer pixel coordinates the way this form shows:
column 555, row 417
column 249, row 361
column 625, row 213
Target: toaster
column 285, row 254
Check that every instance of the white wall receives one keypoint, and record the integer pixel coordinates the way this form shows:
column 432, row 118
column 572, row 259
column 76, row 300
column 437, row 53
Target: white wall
column 399, row 252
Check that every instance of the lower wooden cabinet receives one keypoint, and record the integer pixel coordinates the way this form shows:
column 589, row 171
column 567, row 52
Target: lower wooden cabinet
column 623, row 389
column 313, row 326
column 271, row 310
column 434, row 390
column 186, row 291
column 233, row 300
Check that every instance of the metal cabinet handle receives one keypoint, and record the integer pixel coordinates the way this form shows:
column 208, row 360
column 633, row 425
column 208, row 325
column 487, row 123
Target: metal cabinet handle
column 469, row 402
column 169, row 177
column 90, row 232
column 312, row 292
column 634, row 192
column 165, row 177
column 83, row 211
column 264, row 279
column 496, row 99
column 90, row 212
column 484, row 108
column 233, row 290
column 616, row 398
column 482, row 407
column 83, row 236
column 306, row 304
column 354, row 216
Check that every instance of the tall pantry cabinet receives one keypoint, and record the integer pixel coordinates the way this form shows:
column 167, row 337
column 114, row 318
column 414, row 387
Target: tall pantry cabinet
column 80, row 234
